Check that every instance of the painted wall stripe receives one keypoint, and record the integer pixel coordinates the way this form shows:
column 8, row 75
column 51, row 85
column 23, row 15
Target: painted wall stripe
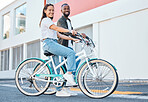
column 79, row 6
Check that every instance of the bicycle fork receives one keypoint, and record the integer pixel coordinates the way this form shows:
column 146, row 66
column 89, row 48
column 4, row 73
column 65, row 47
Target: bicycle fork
column 91, row 70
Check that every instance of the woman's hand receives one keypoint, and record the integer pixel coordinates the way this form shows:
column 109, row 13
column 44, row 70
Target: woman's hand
column 66, row 37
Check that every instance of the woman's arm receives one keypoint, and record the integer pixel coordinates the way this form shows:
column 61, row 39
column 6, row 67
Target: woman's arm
column 60, row 29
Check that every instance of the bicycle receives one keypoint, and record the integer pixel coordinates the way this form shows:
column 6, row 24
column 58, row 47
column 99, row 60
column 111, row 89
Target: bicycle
column 96, row 78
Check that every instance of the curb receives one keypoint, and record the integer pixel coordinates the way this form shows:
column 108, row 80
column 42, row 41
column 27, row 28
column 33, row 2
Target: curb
column 7, row 79
column 134, row 80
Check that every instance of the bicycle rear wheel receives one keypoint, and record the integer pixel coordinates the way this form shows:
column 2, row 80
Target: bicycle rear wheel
column 24, row 80
column 102, row 84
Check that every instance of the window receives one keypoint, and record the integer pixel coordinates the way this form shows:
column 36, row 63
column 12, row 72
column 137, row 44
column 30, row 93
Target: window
column 6, row 25
column 17, row 56
column 4, row 60
column 53, row 1
column 33, row 49
column 20, row 18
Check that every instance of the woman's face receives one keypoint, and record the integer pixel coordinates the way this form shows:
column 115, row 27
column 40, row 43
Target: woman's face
column 50, row 11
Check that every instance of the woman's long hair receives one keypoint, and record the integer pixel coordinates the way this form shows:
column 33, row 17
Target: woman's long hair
column 44, row 14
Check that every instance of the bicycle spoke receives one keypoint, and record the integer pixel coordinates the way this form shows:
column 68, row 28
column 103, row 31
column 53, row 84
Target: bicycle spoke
column 25, row 79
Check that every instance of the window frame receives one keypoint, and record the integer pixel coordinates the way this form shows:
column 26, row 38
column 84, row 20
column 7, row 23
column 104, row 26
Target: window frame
column 14, row 29
column 55, row 1
column 21, row 54
column 30, row 54
column 2, row 65
column 2, row 31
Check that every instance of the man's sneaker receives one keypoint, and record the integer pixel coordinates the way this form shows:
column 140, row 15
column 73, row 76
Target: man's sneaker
column 70, row 79
column 70, row 85
column 62, row 93
column 71, row 92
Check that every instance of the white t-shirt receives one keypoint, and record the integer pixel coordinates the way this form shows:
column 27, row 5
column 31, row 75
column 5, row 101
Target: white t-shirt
column 69, row 27
column 46, row 31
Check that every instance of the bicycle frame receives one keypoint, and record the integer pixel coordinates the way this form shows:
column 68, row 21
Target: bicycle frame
column 81, row 55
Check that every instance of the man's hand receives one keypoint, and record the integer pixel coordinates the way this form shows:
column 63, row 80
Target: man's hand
column 83, row 35
column 73, row 32
column 75, row 40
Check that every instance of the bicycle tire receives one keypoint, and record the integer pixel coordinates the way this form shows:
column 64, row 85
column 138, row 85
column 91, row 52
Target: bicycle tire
column 23, row 79
column 92, row 86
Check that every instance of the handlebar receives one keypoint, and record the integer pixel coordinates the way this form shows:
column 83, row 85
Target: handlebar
column 89, row 39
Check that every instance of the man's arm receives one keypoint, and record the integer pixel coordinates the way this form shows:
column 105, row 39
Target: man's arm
column 62, row 24
column 66, row 37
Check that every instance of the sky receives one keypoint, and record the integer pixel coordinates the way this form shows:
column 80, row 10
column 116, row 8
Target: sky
column 4, row 3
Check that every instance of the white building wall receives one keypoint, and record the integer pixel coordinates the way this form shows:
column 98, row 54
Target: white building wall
column 124, row 42
column 122, row 35
column 87, row 30
column 33, row 15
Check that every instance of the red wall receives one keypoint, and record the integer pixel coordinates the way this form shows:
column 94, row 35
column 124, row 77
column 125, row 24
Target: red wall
column 78, row 6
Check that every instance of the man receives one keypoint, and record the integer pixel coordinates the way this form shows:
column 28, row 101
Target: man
column 65, row 22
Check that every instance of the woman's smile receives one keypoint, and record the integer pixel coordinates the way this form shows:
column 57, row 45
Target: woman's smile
column 50, row 11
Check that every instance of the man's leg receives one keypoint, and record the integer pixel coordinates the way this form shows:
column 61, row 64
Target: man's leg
column 77, row 63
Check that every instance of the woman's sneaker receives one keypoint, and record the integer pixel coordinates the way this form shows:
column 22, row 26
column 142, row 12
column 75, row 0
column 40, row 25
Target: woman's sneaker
column 62, row 93
column 70, row 79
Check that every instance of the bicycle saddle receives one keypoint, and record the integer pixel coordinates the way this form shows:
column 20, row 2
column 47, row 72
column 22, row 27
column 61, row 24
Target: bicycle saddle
column 47, row 53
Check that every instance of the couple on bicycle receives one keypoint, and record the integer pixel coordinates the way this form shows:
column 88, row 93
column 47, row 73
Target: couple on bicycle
column 50, row 36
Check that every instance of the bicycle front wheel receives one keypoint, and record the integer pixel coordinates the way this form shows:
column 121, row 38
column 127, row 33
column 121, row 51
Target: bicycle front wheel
column 25, row 81
column 101, row 83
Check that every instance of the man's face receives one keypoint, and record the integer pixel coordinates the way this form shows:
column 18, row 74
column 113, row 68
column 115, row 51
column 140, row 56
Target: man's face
column 65, row 10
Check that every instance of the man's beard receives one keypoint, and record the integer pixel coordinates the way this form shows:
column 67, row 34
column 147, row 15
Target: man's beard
column 51, row 18
column 66, row 15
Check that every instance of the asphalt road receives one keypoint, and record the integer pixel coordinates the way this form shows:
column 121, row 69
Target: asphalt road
column 125, row 92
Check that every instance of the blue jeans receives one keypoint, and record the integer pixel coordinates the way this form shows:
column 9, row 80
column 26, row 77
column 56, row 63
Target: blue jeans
column 52, row 46
column 77, row 63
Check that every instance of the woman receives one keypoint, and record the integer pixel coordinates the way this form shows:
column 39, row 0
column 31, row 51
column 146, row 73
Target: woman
column 49, row 37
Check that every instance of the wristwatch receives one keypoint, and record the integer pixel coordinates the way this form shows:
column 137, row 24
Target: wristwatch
column 70, row 31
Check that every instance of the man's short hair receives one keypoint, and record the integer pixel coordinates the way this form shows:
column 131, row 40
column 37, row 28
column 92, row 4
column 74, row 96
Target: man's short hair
column 64, row 5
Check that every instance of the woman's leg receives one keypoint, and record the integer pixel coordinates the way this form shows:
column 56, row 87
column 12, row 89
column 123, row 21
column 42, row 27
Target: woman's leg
column 60, row 50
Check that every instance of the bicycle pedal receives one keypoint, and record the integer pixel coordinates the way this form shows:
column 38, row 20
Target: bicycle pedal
column 69, row 85
column 46, row 78
column 75, row 85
